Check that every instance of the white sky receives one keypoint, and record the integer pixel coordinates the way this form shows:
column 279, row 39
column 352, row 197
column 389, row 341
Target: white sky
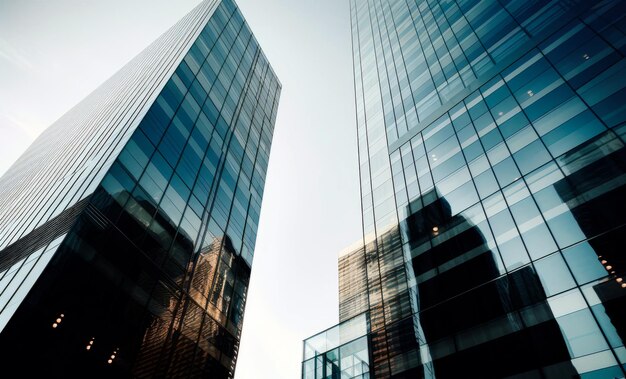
column 52, row 54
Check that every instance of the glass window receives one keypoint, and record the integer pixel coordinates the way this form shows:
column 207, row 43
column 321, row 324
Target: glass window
column 543, row 177
column 513, row 124
column 559, row 115
column 121, row 176
column 566, row 303
column 172, row 145
column 467, row 135
column 460, row 117
column 506, row 172
column 554, row 274
column 512, row 251
column 521, row 139
column 473, row 151
column 605, row 94
column 198, row 92
column 531, row 157
column 539, row 241
column 509, row 243
column 581, row 333
column 494, row 92
column 534, row 232
column 491, row 139
column 462, row 197
column 476, row 107
column 128, row 160
column 448, row 167
column 484, row 124
column 143, row 143
column 572, row 133
column 584, row 262
column 607, row 319
column 486, row 183
column 565, row 229
column 440, row 131
column 537, row 107
column 524, row 70
column 156, row 120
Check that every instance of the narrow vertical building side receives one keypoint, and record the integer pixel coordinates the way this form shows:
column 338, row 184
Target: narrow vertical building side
column 493, row 171
column 127, row 229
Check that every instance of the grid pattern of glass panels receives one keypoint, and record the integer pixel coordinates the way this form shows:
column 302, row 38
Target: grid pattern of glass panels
column 339, row 352
column 214, row 118
column 68, row 160
column 426, row 52
column 492, row 185
column 378, row 114
column 151, row 280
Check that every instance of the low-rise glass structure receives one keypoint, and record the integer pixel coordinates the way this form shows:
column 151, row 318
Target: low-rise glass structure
column 339, row 352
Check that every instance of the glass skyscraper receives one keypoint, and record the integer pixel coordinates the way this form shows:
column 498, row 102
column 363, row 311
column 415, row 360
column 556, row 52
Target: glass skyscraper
column 493, row 189
column 127, row 229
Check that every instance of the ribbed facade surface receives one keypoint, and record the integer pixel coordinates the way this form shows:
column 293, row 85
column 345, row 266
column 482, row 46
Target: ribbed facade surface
column 127, row 229
column 67, row 161
column 493, row 177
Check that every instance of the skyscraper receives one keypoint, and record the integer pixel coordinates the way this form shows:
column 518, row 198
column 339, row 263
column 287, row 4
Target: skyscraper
column 127, row 229
column 493, row 177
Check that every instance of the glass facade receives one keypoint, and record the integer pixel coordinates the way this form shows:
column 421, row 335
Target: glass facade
column 134, row 251
column 339, row 352
column 493, row 177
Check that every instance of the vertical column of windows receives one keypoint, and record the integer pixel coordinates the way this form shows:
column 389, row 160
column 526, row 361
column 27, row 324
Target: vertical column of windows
column 382, row 190
column 364, row 156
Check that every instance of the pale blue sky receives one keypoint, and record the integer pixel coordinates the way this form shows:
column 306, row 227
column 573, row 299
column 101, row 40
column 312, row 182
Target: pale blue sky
column 52, row 54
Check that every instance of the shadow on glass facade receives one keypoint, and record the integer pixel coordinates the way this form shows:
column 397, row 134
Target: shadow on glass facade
column 147, row 275
column 493, row 173
column 469, row 315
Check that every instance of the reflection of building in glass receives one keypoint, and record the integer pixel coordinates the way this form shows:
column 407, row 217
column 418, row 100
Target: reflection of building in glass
column 203, row 288
column 127, row 229
column 515, row 112
column 503, row 322
column 461, row 314
column 594, row 191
